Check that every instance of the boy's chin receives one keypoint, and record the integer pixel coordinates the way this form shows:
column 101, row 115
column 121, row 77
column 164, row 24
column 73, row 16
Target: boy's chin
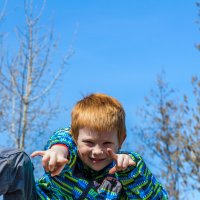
column 98, row 168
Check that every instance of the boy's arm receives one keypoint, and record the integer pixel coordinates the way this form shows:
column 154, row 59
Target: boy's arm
column 60, row 149
column 64, row 137
column 61, row 136
column 138, row 182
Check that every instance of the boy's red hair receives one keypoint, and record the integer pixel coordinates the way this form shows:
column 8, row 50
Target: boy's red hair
column 98, row 112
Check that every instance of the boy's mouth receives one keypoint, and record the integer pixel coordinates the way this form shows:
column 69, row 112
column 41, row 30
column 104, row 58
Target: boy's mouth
column 96, row 160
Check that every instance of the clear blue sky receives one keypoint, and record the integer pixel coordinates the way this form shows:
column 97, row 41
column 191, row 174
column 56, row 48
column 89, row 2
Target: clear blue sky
column 120, row 47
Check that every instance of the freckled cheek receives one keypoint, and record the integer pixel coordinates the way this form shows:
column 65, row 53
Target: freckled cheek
column 84, row 151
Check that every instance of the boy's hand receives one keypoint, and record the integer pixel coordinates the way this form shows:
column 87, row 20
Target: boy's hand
column 122, row 161
column 54, row 159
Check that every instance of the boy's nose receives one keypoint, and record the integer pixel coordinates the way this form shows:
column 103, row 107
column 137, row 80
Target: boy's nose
column 97, row 150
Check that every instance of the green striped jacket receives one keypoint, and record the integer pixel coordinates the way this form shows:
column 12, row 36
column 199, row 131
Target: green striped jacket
column 79, row 182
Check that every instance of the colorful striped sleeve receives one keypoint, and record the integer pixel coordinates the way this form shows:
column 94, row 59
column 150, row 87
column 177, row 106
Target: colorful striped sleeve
column 63, row 136
column 46, row 188
column 139, row 183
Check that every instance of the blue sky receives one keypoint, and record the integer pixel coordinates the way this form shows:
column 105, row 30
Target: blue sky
column 120, row 47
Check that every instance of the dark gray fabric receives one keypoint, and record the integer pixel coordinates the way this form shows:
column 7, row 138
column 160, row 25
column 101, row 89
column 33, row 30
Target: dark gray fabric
column 16, row 175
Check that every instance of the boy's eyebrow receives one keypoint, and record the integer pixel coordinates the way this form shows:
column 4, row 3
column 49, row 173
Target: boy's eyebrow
column 87, row 139
column 91, row 139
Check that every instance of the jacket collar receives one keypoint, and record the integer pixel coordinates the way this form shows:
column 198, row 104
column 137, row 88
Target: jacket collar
column 85, row 171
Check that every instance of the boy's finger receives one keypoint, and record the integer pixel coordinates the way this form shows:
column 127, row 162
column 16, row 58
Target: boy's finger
column 112, row 154
column 115, row 169
column 52, row 163
column 112, row 170
column 119, row 163
column 60, row 164
column 57, row 171
column 131, row 163
column 45, row 162
column 62, row 161
column 37, row 153
column 125, row 163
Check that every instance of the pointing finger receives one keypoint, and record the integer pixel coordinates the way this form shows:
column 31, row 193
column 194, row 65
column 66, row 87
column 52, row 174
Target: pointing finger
column 112, row 154
column 37, row 153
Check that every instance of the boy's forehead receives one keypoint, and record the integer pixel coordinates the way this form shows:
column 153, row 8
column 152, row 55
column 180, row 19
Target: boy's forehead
column 95, row 134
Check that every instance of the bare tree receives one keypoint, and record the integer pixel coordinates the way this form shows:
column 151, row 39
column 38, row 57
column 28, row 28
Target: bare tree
column 26, row 79
column 161, row 135
column 2, row 15
column 192, row 131
column 170, row 133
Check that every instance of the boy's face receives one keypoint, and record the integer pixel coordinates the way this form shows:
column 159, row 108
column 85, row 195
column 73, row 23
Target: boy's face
column 92, row 147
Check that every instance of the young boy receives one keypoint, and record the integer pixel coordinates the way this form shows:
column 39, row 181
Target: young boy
column 85, row 161
column 94, row 167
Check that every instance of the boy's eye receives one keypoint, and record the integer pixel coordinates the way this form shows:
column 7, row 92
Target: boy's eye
column 107, row 143
column 88, row 142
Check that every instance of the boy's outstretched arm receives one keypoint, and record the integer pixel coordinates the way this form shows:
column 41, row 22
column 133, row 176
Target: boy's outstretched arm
column 64, row 159
column 60, row 150
column 137, row 180
column 53, row 159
